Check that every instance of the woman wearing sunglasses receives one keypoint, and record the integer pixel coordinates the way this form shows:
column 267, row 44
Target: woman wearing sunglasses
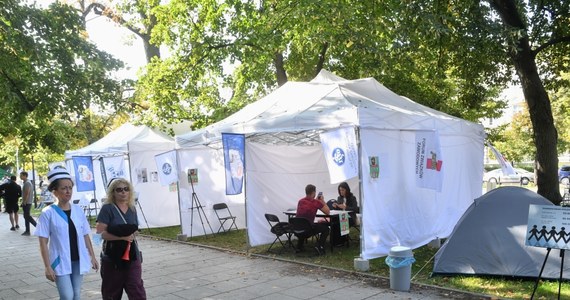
column 121, row 259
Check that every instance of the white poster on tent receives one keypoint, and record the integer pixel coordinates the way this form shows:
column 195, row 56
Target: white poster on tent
column 114, row 167
column 341, row 153
column 429, row 161
column 167, row 167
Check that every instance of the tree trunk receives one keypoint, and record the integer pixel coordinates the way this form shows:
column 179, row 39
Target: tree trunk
column 280, row 69
column 322, row 55
column 544, row 132
column 144, row 33
column 150, row 50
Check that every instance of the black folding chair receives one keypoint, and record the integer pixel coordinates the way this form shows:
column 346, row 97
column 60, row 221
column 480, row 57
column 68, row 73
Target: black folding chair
column 225, row 215
column 92, row 206
column 279, row 229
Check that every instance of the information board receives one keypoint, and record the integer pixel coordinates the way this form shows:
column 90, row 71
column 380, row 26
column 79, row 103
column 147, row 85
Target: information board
column 548, row 226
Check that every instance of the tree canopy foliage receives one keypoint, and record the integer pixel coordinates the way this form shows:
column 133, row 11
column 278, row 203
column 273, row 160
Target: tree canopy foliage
column 560, row 110
column 50, row 75
column 251, row 47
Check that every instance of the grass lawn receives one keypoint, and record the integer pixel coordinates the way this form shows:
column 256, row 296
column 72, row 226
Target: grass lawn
column 342, row 258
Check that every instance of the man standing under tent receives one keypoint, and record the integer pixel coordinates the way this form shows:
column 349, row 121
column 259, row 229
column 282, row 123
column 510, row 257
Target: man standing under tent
column 307, row 208
column 11, row 192
column 27, row 200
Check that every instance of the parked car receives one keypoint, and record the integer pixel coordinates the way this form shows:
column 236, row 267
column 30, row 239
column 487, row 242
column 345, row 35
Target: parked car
column 521, row 176
column 564, row 175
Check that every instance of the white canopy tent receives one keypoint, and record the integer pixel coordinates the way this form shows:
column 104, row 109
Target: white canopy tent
column 283, row 154
column 138, row 145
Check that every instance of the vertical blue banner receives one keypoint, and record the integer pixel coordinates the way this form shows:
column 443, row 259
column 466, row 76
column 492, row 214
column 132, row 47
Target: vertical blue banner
column 234, row 161
column 84, row 177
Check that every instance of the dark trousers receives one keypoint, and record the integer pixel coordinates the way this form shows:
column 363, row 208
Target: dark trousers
column 114, row 280
column 28, row 217
column 322, row 232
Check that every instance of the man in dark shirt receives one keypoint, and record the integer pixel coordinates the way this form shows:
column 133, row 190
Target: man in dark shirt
column 307, row 208
column 12, row 192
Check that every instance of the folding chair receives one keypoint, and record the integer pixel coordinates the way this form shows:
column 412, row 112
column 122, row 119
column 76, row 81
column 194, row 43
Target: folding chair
column 279, row 229
column 224, row 215
column 92, row 206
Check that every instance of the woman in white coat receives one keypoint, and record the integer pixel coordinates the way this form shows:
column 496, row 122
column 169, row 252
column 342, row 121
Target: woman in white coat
column 65, row 245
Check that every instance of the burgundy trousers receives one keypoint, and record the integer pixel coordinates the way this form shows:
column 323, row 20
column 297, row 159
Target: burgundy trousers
column 116, row 280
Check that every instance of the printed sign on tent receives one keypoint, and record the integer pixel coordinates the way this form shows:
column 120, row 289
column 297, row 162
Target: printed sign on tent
column 84, row 179
column 341, row 153
column 113, row 167
column 234, row 161
column 343, row 222
column 429, row 161
column 167, row 167
column 374, row 168
column 506, row 166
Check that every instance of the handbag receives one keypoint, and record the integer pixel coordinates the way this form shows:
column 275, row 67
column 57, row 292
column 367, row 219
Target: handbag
column 139, row 256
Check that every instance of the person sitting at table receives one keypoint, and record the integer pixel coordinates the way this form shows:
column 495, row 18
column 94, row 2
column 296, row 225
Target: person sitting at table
column 346, row 201
column 307, row 208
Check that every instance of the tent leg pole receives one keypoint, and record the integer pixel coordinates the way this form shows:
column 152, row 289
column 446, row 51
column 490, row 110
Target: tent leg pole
column 144, row 217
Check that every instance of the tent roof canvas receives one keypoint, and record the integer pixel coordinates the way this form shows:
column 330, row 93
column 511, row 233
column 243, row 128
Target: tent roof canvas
column 297, row 111
column 489, row 239
column 116, row 142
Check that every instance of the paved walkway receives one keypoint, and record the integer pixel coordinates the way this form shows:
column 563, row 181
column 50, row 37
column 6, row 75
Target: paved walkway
column 173, row 270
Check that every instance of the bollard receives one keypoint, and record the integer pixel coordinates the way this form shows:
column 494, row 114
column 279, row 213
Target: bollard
column 400, row 261
column 361, row 264
column 491, row 185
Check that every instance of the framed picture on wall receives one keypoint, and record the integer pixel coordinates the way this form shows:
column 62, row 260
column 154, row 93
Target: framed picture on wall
column 142, row 175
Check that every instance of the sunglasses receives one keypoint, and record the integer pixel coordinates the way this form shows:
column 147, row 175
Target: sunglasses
column 123, row 189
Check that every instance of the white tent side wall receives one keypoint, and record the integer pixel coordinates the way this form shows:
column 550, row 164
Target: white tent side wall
column 157, row 203
column 396, row 211
column 209, row 190
column 276, row 180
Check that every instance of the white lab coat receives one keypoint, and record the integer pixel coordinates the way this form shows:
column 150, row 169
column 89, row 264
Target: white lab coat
column 53, row 226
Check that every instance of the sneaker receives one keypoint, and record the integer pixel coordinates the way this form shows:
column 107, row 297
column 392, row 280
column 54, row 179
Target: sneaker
column 17, row 226
column 26, row 233
column 13, row 229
